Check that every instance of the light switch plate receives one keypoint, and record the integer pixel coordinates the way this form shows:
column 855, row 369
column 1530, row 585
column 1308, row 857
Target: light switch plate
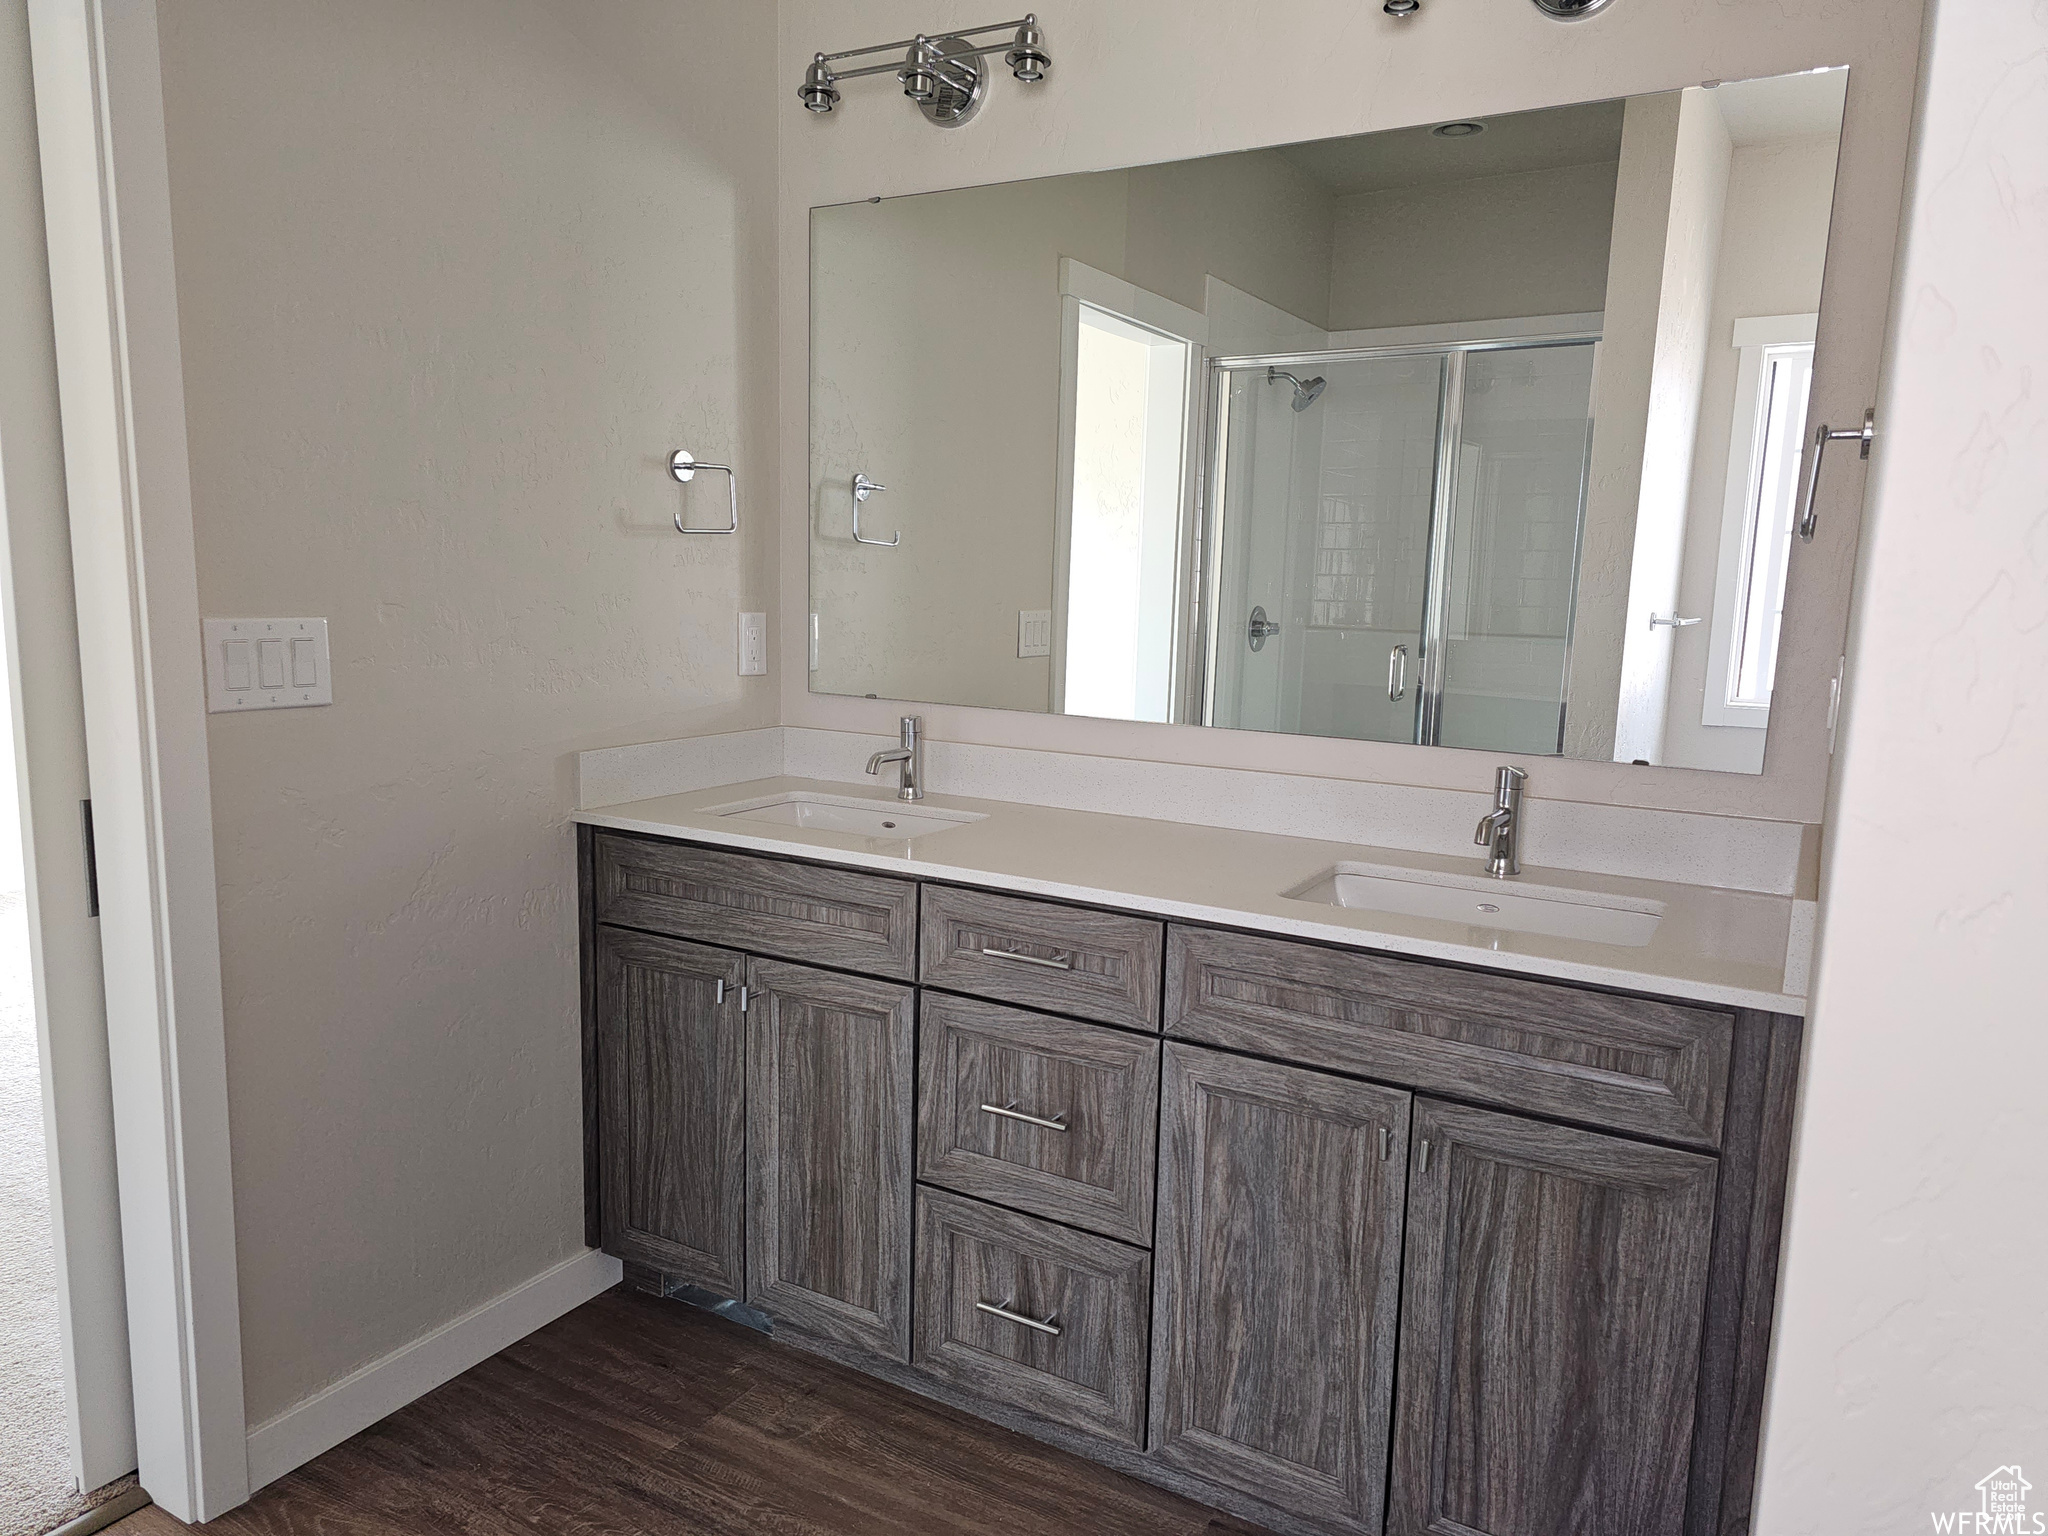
column 753, row 645
column 266, row 664
column 1034, row 632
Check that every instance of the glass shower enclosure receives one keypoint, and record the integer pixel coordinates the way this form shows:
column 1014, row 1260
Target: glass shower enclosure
column 1393, row 541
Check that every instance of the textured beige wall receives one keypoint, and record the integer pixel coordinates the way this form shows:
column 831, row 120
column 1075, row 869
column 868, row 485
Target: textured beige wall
column 1493, row 248
column 1912, row 1345
column 452, row 278
column 1151, row 80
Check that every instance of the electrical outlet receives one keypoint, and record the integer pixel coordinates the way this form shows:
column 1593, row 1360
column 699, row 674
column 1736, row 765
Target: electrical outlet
column 753, row 645
column 1034, row 632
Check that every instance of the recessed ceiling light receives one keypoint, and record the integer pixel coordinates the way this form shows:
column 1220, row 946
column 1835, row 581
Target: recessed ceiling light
column 1457, row 130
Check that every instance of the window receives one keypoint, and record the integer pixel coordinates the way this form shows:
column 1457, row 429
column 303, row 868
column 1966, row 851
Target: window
column 1773, row 381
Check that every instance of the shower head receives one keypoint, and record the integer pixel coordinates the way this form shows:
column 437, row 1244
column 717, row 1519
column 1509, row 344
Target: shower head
column 1305, row 391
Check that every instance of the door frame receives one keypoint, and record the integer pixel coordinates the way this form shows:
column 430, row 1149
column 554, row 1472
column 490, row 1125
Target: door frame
column 106, row 195
column 1079, row 285
column 39, row 635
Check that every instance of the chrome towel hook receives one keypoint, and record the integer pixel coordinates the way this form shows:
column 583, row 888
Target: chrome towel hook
column 683, row 465
column 1822, row 436
column 863, row 488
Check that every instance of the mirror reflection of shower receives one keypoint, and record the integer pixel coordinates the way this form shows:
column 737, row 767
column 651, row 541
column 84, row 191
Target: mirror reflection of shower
column 1429, row 511
column 1305, row 392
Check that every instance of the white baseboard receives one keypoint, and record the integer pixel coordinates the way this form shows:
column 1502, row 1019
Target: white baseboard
column 384, row 1386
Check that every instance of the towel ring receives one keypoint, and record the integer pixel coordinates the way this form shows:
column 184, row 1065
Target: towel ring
column 863, row 488
column 683, row 466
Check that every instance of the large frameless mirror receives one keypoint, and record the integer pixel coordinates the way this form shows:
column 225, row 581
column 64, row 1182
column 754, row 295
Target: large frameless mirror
column 1481, row 434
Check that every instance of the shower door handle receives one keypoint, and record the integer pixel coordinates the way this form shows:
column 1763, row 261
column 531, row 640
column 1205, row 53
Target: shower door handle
column 1397, row 674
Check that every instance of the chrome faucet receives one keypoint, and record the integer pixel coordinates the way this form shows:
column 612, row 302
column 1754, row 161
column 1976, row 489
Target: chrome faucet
column 910, row 754
column 1500, row 829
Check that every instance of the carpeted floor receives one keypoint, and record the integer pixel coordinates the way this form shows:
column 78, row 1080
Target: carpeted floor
column 36, row 1490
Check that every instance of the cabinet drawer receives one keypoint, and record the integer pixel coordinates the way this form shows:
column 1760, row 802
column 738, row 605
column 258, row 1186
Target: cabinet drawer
column 1093, row 965
column 1626, row 1063
column 831, row 917
column 1042, row 1114
column 1037, row 1316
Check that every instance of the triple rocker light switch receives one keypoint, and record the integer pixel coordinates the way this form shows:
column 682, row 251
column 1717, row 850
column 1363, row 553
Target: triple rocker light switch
column 266, row 664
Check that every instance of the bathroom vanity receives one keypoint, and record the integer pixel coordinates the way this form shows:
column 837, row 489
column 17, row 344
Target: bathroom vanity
column 1291, row 1214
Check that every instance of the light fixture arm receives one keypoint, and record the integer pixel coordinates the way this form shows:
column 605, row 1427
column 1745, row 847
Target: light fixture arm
column 911, row 42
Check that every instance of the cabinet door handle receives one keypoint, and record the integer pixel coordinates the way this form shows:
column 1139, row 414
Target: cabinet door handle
column 743, row 998
column 1386, row 1143
column 1063, row 963
column 1010, row 1111
column 1425, row 1157
column 1004, row 1312
column 719, row 999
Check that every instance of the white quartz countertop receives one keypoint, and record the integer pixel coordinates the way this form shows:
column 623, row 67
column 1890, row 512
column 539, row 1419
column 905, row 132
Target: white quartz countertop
column 1713, row 946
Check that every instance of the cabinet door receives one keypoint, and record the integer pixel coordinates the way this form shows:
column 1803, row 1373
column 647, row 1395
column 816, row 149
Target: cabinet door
column 1278, row 1265
column 829, row 1070
column 1550, row 1329
column 672, row 1110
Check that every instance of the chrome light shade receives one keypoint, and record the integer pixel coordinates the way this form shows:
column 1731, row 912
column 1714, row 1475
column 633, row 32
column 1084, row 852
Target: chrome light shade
column 818, row 93
column 1402, row 7
column 1027, row 57
column 919, row 75
column 1570, row 10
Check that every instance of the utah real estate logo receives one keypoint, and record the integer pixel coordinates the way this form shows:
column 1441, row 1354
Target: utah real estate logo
column 2002, row 1510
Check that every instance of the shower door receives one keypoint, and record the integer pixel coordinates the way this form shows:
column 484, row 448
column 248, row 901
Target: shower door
column 1319, row 542
column 1393, row 556
column 1507, row 554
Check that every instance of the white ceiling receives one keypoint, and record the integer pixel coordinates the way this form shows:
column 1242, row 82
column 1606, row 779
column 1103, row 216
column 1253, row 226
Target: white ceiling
column 1784, row 107
column 1409, row 157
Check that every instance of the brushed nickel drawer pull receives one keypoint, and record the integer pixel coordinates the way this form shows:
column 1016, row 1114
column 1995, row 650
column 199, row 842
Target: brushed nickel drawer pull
column 1004, row 1312
column 1010, row 1111
column 1064, row 963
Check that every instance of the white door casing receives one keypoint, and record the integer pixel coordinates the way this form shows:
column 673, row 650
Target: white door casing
column 41, row 650
column 100, row 119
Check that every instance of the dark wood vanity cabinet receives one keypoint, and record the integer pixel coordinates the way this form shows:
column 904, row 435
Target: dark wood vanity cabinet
column 1556, row 1285
column 1363, row 1244
column 672, row 1090
column 829, row 1099
column 1279, row 1276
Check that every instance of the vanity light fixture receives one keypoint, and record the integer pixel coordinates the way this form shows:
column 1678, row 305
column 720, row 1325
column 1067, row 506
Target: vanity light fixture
column 1402, row 7
column 943, row 74
column 1570, row 10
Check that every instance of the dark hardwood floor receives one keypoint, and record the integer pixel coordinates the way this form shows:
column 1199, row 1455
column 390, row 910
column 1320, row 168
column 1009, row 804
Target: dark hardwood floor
column 633, row 1415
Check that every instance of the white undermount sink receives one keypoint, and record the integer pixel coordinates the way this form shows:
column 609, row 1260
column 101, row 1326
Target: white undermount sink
column 845, row 813
column 1510, row 906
